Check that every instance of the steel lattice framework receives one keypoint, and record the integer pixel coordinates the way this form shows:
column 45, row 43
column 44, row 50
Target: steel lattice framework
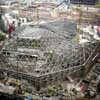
column 44, row 53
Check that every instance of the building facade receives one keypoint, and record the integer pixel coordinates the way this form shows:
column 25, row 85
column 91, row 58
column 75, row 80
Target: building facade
column 88, row 2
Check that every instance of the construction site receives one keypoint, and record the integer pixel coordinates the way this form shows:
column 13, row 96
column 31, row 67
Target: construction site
column 49, row 49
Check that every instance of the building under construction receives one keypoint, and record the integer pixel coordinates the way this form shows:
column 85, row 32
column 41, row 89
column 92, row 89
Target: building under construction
column 57, row 59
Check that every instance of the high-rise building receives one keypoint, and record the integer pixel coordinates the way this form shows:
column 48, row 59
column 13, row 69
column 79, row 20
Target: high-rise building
column 88, row 2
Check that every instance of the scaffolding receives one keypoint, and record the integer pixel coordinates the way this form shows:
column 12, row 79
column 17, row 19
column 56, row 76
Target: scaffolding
column 45, row 53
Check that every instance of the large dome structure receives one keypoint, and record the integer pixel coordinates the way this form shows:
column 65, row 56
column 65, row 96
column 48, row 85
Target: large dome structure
column 42, row 53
